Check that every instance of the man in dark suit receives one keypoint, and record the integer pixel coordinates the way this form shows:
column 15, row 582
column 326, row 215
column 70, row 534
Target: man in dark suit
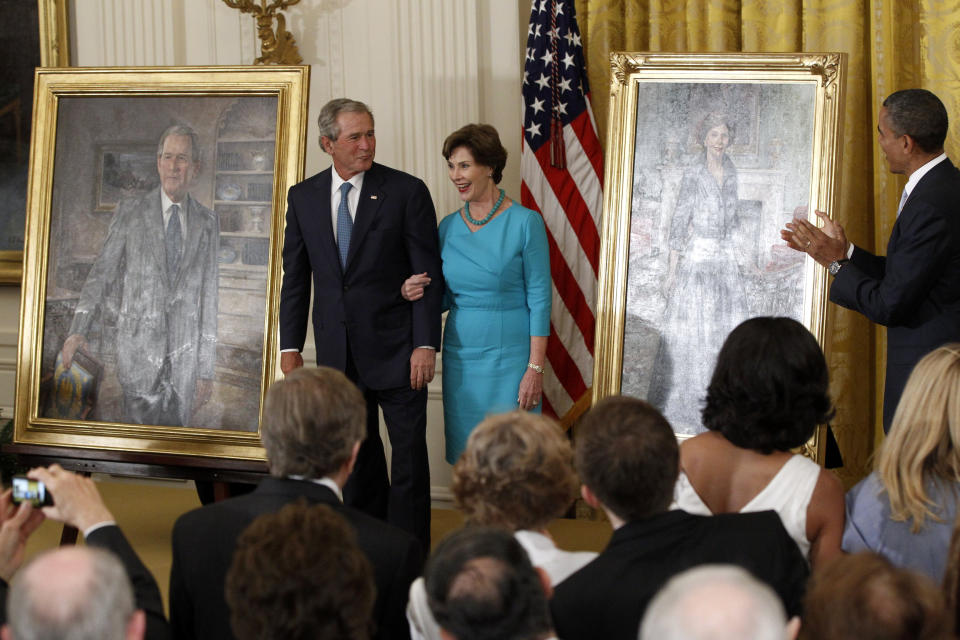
column 358, row 248
column 313, row 426
column 628, row 461
column 915, row 290
column 89, row 591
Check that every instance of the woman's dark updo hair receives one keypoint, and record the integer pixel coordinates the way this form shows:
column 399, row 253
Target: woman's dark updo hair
column 483, row 142
column 770, row 388
column 712, row 120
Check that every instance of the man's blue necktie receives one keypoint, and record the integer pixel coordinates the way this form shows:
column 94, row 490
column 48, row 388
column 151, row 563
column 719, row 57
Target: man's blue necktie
column 344, row 224
column 174, row 241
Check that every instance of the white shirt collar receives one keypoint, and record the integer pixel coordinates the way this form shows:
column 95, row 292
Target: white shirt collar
column 325, row 481
column 166, row 203
column 922, row 171
column 336, row 181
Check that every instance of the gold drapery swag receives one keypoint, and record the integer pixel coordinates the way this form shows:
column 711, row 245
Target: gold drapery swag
column 891, row 44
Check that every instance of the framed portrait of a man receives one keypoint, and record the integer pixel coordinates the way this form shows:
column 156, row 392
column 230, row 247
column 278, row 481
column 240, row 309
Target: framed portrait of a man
column 33, row 33
column 154, row 227
column 709, row 156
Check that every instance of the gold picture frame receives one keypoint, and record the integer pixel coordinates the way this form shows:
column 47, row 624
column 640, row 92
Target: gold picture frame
column 53, row 50
column 212, row 329
column 780, row 117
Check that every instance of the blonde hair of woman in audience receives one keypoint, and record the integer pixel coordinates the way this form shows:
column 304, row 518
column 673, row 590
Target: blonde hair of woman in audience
column 905, row 510
column 768, row 393
column 516, row 473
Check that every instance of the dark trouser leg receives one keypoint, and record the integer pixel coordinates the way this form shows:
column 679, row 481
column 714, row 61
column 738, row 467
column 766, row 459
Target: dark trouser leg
column 405, row 412
column 368, row 488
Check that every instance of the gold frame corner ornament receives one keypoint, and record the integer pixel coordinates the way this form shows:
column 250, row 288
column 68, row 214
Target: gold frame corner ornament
column 289, row 85
column 630, row 73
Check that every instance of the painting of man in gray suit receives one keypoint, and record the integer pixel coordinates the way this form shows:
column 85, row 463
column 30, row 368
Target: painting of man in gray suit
column 158, row 265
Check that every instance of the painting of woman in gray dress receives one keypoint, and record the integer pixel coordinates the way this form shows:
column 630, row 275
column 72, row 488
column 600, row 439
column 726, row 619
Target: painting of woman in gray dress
column 703, row 285
column 716, row 167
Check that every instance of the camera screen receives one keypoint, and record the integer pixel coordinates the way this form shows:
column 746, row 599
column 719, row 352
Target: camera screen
column 27, row 490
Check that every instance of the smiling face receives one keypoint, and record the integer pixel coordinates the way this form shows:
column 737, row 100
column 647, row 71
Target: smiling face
column 176, row 167
column 891, row 144
column 716, row 141
column 473, row 181
column 354, row 149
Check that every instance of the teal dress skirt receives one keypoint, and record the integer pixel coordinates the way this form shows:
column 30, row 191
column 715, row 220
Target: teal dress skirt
column 499, row 294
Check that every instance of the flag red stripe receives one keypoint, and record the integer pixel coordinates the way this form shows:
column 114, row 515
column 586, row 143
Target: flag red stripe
column 568, row 287
column 589, row 140
column 564, row 367
column 576, row 210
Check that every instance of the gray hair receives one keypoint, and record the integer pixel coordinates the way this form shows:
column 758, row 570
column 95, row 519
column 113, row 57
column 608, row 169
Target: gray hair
column 93, row 600
column 181, row 130
column 312, row 420
column 327, row 121
column 714, row 602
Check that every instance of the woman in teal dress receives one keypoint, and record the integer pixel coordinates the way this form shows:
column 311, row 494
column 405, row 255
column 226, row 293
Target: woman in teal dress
column 496, row 266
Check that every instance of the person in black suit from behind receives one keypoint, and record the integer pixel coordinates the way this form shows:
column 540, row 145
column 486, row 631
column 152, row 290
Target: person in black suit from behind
column 915, row 290
column 628, row 460
column 313, row 426
column 357, row 250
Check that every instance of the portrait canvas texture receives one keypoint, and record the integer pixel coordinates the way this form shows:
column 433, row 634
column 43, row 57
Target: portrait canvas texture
column 106, row 184
column 718, row 169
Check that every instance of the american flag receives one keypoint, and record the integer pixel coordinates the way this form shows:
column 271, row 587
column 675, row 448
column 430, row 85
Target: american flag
column 562, row 178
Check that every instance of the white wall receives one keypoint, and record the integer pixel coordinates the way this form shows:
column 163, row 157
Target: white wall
column 425, row 67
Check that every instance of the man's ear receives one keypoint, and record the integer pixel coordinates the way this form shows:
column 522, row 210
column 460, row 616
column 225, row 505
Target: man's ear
column 589, row 497
column 5, row 633
column 446, row 634
column 136, row 626
column 326, row 143
column 793, row 628
column 545, row 582
column 353, row 457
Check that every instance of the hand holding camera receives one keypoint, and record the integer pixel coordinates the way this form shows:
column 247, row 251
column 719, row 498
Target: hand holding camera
column 76, row 501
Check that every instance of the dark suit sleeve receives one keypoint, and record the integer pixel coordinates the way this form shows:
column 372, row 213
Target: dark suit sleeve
column 409, row 566
column 423, row 247
column 911, row 270
column 145, row 589
column 873, row 266
column 295, row 290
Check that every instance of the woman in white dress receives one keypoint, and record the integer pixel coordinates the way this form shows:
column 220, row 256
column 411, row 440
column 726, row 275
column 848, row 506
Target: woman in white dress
column 516, row 473
column 768, row 393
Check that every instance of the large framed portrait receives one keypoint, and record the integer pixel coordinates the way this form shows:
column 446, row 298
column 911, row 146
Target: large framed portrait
column 34, row 34
column 152, row 263
column 708, row 157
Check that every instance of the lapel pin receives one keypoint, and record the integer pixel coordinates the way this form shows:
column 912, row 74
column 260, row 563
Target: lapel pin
column 373, row 197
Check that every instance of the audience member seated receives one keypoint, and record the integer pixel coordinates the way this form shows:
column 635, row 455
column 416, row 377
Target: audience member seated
column 628, row 460
column 298, row 573
column 314, row 420
column 951, row 579
column 481, row 586
column 906, row 508
column 865, row 597
column 768, row 393
column 76, row 588
column 716, row 602
column 516, row 473
column 73, row 592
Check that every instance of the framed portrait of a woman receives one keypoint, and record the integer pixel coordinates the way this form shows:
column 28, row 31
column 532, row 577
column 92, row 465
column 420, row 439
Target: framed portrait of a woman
column 708, row 157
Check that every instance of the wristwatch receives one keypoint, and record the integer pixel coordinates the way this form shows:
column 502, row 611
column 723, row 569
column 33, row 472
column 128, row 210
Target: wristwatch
column 835, row 266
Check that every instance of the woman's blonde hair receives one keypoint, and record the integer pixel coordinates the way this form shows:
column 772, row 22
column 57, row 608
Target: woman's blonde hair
column 516, row 472
column 924, row 437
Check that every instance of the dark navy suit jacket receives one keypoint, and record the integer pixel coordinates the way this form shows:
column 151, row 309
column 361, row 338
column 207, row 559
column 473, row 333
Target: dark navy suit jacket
column 394, row 236
column 915, row 290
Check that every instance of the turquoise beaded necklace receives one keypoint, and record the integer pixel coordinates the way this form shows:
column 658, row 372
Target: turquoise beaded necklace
column 486, row 218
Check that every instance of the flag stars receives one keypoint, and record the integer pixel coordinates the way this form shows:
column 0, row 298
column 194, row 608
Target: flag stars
column 547, row 58
column 561, row 109
column 533, row 130
column 544, row 81
column 537, row 106
column 567, row 61
column 543, row 6
column 565, row 85
column 536, row 31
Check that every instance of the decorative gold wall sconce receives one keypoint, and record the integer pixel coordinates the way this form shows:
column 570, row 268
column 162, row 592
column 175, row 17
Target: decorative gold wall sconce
column 276, row 48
